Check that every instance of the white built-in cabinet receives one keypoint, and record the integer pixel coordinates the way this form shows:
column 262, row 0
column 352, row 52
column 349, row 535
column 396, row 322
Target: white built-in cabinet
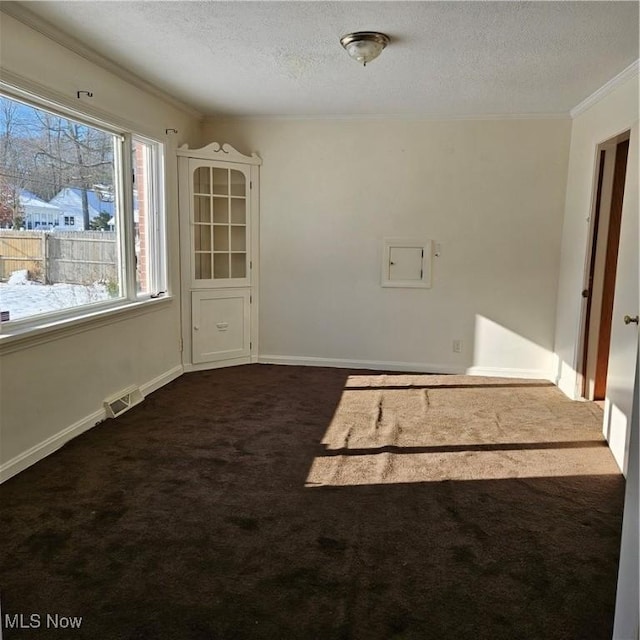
column 218, row 199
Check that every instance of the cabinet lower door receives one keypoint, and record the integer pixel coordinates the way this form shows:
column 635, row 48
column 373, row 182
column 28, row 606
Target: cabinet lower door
column 220, row 325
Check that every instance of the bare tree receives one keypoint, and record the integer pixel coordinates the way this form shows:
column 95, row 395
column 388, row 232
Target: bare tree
column 75, row 155
column 45, row 153
column 13, row 168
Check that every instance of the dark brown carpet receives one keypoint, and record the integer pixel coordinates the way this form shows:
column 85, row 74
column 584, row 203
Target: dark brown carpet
column 267, row 502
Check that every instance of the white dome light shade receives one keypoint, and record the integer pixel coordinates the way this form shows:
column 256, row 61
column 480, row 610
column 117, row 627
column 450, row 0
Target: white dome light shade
column 364, row 46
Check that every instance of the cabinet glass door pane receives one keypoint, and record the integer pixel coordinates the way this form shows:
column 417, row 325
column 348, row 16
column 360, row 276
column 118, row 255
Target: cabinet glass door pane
column 238, row 183
column 202, row 180
column 201, row 209
column 203, row 266
column 202, row 237
column 221, row 210
column 238, row 265
column 221, row 182
column 221, row 265
column 221, row 237
column 238, row 211
column 238, row 238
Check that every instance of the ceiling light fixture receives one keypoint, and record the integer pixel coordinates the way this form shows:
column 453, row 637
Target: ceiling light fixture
column 364, row 46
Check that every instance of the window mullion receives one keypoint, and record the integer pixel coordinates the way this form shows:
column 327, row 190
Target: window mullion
column 152, row 222
column 126, row 221
column 159, row 266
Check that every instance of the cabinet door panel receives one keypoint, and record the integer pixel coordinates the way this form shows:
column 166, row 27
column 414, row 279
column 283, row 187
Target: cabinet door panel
column 220, row 325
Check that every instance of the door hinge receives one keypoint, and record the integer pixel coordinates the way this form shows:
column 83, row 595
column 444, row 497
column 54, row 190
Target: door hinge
column 250, row 299
column 181, row 345
column 250, row 346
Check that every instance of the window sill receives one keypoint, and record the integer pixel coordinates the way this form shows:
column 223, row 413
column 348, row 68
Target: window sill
column 48, row 330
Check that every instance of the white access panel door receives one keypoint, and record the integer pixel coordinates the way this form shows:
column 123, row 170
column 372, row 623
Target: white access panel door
column 221, row 325
column 405, row 263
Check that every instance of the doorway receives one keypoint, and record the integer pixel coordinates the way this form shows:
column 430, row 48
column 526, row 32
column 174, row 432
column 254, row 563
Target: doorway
column 598, row 294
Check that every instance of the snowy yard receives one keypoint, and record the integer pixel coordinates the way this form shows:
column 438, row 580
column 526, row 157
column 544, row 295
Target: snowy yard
column 23, row 298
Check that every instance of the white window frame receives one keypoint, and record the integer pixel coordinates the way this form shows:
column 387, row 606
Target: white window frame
column 129, row 299
column 156, row 221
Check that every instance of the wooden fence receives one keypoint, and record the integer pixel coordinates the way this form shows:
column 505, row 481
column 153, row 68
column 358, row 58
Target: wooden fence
column 76, row 257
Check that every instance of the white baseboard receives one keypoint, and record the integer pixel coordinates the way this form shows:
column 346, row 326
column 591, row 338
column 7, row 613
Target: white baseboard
column 376, row 365
column 48, row 446
column 161, row 380
column 220, row 364
column 506, row 372
column 419, row 367
column 568, row 385
column 53, row 443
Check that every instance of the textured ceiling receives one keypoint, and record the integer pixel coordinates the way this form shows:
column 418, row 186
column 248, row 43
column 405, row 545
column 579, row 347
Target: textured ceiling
column 284, row 58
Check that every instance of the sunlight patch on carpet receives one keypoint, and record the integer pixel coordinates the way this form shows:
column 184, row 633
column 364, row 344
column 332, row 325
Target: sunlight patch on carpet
column 428, row 428
column 390, row 468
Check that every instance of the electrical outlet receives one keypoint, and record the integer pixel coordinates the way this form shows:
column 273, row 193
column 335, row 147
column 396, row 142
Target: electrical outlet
column 457, row 346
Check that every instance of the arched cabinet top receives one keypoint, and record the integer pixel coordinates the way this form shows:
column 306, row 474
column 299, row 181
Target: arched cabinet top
column 216, row 151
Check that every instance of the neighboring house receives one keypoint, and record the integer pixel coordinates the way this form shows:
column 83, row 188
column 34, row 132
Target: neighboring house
column 69, row 201
column 39, row 214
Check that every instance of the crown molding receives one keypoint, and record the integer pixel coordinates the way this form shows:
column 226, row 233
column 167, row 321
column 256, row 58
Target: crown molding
column 632, row 70
column 214, row 119
column 19, row 12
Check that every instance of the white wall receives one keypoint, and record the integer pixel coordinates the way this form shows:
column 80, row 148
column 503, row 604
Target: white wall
column 489, row 192
column 52, row 391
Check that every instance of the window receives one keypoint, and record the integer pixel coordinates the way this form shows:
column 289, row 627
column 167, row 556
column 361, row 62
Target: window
column 101, row 188
column 148, row 227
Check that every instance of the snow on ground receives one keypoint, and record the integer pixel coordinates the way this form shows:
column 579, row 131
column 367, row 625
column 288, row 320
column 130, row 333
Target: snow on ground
column 19, row 277
column 23, row 298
